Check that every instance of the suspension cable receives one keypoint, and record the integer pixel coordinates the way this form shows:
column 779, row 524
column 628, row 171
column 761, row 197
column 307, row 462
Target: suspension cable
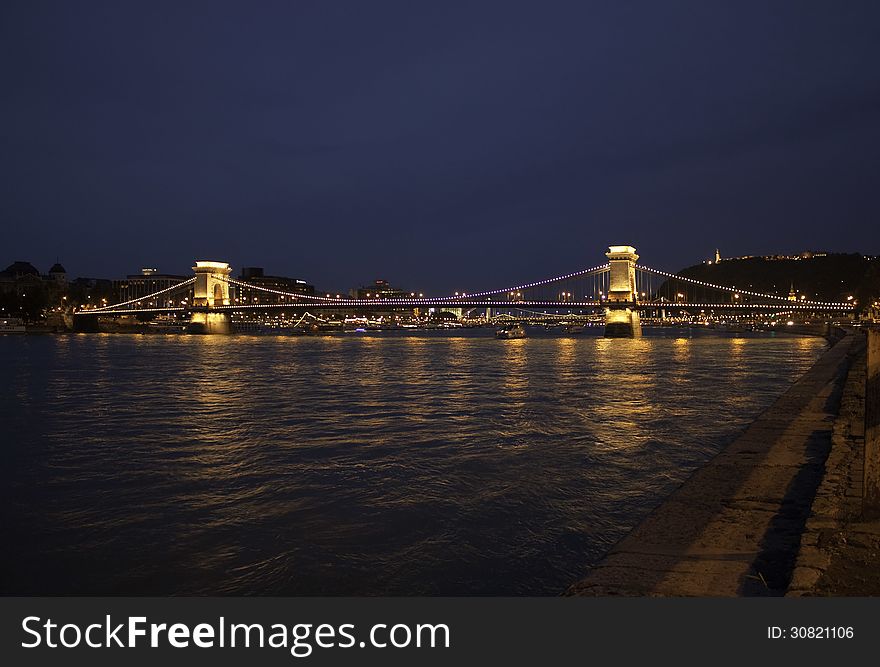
column 468, row 295
column 144, row 298
column 734, row 289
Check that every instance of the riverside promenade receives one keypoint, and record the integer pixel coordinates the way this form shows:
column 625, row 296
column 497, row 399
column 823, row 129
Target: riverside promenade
column 840, row 545
column 734, row 528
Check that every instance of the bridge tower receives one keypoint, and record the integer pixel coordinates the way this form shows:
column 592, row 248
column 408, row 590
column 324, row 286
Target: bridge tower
column 621, row 316
column 210, row 290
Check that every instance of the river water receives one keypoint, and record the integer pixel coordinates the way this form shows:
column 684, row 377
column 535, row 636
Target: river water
column 361, row 464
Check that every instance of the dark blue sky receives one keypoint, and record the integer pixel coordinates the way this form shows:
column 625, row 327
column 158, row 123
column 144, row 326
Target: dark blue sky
column 440, row 145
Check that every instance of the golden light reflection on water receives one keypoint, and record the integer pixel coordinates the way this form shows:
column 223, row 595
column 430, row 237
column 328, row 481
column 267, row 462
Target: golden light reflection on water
column 680, row 353
column 737, row 347
column 457, row 370
column 734, row 369
column 214, row 388
column 414, row 355
column 417, row 358
column 621, row 417
column 363, row 464
column 565, row 353
column 514, row 360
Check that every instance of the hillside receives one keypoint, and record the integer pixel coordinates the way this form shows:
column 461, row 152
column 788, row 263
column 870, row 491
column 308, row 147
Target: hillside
column 831, row 277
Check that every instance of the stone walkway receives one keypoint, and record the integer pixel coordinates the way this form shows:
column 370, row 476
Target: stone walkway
column 734, row 527
column 840, row 553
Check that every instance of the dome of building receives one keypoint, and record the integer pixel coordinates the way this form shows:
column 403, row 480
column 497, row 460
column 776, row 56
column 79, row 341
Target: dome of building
column 57, row 268
column 20, row 269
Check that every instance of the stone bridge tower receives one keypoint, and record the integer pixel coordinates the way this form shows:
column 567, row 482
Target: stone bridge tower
column 622, row 281
column 209, row 291
column 211, row 288
column 621, row 316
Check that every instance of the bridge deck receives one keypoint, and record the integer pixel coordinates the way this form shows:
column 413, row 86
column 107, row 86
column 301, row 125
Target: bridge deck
column 378, row 306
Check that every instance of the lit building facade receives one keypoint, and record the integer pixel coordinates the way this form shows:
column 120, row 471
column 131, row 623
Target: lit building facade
column 381, row 289
column 148, row 281
column 255, row 275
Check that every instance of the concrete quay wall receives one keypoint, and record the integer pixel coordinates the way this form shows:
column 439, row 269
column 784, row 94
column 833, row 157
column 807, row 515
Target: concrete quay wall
column 840, row 545
column 734, row 526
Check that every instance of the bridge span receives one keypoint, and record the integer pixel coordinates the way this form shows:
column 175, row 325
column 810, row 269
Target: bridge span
column 619, row 289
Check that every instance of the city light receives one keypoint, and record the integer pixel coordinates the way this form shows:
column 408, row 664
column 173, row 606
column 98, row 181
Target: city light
column 512, row 294
column 701, row 283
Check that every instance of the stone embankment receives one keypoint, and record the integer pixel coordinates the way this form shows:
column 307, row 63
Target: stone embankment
column 840, row 545
column 735, row 527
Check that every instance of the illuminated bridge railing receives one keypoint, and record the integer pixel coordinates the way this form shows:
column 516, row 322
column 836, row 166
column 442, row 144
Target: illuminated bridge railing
column 579, row 290
column 587, row 285
column 673, row 289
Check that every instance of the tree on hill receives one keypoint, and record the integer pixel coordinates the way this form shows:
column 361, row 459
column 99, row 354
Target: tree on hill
column 832, row 277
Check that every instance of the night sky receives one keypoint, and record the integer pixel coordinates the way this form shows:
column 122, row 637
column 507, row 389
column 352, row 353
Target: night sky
column 439, row 145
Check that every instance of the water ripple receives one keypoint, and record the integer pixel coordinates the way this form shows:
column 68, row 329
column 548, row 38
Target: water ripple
column 401, row 465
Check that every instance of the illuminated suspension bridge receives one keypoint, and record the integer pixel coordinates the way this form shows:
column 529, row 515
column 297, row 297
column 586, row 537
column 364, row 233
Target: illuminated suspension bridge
column 620, row 289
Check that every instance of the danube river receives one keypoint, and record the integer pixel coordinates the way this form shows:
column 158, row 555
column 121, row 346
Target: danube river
column 362, row 464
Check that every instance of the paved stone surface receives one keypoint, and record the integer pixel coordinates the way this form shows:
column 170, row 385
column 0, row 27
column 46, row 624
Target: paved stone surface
column 735, row 526
column 840, row 552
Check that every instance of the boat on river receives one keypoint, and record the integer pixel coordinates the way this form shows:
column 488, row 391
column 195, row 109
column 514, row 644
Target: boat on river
column 12, row 325
column 515, row 331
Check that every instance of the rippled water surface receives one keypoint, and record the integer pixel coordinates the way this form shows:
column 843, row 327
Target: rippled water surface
column 353, row 464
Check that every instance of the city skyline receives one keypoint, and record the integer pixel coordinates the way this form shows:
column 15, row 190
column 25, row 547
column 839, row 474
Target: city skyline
column 366, row 284
column 397, row 142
